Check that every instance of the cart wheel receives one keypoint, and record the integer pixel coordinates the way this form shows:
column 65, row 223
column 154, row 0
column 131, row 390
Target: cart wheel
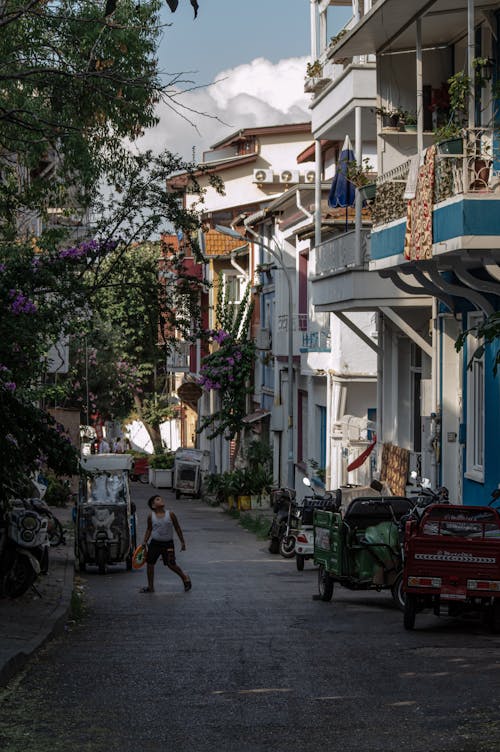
column 56, row 534
column 287, row 547
column 299, row 560
column 410, row 611
column 325, row 584
column 101, row 560
column 397, row 592
column 274, row 546
column 128, row 562
column 143, row 478
column 177, row 494
column 495, row 616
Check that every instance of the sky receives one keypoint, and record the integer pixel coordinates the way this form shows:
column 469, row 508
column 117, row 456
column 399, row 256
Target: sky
column 246, row 60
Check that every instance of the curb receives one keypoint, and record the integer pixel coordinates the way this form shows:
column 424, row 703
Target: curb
column 59, row 618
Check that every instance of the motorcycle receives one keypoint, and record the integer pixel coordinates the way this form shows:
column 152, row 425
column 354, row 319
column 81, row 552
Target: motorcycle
column 55, row 530
column 304, row 540
column 281, row 531
column 24, row 548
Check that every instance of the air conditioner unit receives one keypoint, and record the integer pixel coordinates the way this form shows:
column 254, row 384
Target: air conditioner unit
column 263, row 176
column 310, row 176
column 289, row 176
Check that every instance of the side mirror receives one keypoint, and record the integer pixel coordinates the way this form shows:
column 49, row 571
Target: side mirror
column 306, row 482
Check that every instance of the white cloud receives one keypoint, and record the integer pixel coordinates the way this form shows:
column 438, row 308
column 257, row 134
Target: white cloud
column 254, row 94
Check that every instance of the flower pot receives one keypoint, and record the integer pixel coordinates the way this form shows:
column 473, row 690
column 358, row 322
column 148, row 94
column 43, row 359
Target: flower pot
column 244, row 503
column 450, row 146
column 161, row 478
column 367, row 192
column 410, row 128
column 230, row 502
column 254, row 501
column 390, row 122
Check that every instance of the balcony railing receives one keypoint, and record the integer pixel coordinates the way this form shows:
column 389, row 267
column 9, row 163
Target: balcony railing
column 318, row 341
column 466, row 164
column 340, row 253
column 389, row 202
column 299, row 322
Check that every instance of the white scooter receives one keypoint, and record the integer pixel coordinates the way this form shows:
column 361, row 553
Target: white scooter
column 304, row 540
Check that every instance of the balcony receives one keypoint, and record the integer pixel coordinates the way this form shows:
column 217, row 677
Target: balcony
column 332, row 109
column 339, row 254
column 465, row 200
column 178, row 358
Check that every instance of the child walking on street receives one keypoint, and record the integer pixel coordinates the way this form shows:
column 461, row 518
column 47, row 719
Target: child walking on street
column 159, row 533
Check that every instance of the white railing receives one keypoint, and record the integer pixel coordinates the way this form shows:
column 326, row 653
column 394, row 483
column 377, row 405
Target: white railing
column 299, row 322
column 340, row 253
column 316, row 341
column 178, row 358
column 467, row 164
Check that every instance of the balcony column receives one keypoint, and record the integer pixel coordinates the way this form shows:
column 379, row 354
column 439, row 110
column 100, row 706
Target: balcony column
column 471, row 49
column 322, row 32
column 420, row 95
column 359, row 201
column 318, row 162
column 314, row 30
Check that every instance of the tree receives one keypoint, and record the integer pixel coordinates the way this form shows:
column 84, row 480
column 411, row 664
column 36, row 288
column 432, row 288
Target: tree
column 79, row 81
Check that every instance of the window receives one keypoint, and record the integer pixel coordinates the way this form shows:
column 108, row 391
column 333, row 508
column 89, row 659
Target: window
column 475, row 406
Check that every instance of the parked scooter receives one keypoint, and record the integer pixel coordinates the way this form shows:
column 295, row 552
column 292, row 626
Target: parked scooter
column 24, row 548
column 304, row 541
column 55, row 530
column 281, row 531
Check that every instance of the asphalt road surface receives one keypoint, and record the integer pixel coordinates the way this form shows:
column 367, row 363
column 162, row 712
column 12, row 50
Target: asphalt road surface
column 249, row 662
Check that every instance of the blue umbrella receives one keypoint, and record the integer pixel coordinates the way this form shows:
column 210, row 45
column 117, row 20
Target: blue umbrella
column 343, row 192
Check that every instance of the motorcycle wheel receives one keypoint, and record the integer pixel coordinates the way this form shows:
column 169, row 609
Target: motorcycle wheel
column 299, row 560
column 274, row 546
column 101, row 560
column 143, row 478
column 287, row 547
column 19, row 578
column 325, row 584
column 397, row 592
column 128, row 562
column 56, row 533
column 410, row 611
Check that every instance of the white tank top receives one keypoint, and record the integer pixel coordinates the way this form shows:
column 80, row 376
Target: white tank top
column 163, row 529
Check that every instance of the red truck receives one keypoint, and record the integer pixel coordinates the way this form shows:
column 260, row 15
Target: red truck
column 452, row 563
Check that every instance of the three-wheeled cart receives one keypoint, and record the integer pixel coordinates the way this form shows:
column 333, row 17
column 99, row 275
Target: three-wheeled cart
column 361, row 549
column 452, row 563
column 190, row 466
column 106, row 523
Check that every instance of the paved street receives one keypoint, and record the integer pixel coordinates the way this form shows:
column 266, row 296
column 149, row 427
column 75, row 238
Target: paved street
column 249, row 662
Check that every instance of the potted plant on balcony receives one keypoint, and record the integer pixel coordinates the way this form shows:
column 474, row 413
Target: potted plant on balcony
column 314, row 76
column 161, row 470
column 360, row 176
column 390, row 118
column 409, row 120
column 449, row 136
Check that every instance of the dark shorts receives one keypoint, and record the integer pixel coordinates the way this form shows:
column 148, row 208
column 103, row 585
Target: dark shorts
column 165, row 549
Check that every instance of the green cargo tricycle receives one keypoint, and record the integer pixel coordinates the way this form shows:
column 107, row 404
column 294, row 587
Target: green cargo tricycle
column 361, row 549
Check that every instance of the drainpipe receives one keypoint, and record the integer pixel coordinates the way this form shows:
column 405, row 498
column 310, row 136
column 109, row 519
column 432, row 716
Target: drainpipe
column 435, row 422
column 299, row 205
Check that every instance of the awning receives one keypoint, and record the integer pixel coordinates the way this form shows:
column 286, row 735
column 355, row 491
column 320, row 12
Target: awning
column 257, row 415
